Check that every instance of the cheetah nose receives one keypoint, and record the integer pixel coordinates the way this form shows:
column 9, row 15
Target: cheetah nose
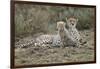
column 72, row 24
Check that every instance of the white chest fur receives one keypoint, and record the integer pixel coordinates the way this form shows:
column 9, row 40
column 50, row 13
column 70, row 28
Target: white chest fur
column 74, row 34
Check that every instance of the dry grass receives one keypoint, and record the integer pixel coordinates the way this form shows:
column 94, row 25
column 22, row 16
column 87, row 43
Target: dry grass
column 46, row 55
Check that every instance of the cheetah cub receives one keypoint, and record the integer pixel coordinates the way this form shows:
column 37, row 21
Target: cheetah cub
column 66, row 39
column 74, row 33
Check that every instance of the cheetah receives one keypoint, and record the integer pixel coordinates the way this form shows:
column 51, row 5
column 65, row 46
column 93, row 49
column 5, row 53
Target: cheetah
column 74, row 33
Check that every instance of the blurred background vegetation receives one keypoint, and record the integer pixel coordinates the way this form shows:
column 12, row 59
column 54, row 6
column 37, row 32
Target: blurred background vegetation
column 32, row 19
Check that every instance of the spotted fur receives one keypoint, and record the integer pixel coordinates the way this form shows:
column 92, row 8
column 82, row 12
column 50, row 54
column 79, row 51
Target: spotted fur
column 66, row 38
column 74, row 33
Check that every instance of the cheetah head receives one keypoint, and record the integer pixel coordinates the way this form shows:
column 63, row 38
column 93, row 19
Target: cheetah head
column 71, row 22
column 60, row 25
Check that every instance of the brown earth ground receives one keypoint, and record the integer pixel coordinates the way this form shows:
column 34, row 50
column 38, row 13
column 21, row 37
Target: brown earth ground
column 48, row 55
